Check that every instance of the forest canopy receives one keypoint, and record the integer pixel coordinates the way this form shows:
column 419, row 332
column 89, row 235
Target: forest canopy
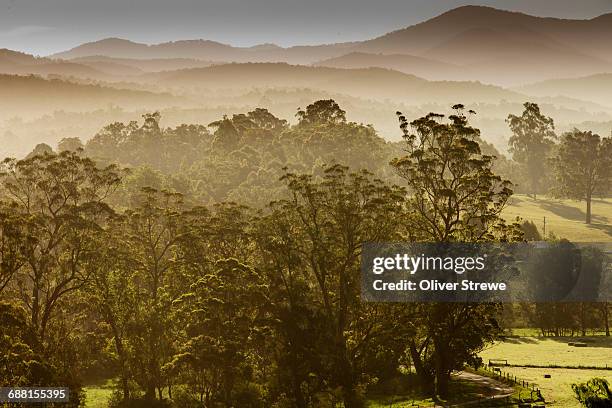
column 218, row 265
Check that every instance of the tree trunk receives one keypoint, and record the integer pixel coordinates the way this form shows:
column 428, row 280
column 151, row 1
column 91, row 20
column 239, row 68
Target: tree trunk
column 583, row 322
column 606, row 317
column 125, row 386
column 442, row 375
column 150, row 392
column 588, row 210
column 350, row 397
column 347, row 376
column 425, row 378
column 121, row 354
column 442, row 383
column 298, row 394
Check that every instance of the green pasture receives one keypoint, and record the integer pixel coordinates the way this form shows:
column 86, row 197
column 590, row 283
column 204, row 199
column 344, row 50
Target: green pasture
column 558, row 389
column 547, row 351
column 97, row 395
column 564, row 218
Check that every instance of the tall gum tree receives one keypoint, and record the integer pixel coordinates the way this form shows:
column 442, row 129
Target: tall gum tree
column 60, row 199
column 583, row 167
column 454, row 196
column 532, row 140
column 311, row 246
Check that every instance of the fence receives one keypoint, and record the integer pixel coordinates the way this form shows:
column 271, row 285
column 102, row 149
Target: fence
column 534, row 391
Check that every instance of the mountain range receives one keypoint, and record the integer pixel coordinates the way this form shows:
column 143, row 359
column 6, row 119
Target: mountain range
column 489, row 59
column 469, row 43
column 369, row 83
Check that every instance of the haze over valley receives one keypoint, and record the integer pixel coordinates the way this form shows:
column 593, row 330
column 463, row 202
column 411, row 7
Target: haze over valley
column 491, row 60
column 197, row 200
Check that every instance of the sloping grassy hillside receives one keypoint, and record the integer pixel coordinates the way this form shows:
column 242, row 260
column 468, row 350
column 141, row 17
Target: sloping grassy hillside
column 565, row 218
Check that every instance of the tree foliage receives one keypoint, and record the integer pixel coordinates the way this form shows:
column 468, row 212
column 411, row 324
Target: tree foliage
column 583, row 167
column 454, row 197
column 533, row 136
column 223, row 268
column 595, row 393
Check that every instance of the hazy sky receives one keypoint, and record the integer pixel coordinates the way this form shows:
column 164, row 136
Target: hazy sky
column 47, row 26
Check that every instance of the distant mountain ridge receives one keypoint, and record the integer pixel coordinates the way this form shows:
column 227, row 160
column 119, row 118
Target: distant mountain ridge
column 597, row 88
column 15, row 62
column 489, row 44
column 140, row 66
column 409, row 64
column 375, row 83
column 202, row 50
column 436, row 31
column 19, row 94
column 92, row 67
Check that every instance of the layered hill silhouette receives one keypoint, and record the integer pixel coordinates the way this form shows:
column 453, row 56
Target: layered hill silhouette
column 14, row 62
column 490, row 59
column 486, row 44
column 409, row 64
column 597, row 88
column 95, row 67
column 134, row 66
column 204, row 50
column 30, row 96
column 376, row 83
column 506, row 47
column 589, row 36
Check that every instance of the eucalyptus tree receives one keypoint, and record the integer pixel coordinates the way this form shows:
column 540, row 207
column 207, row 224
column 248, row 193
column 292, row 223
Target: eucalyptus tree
column 583, row 167
column 11, row 236
column 454, row 196
column 532, row 140
column 60, row 200
column 153, row 230
column 113, row 294
column 224, row 310
column 311, row 245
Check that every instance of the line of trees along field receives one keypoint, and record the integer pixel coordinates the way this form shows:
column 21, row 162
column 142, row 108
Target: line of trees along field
column 223, row 268
column 578, row 167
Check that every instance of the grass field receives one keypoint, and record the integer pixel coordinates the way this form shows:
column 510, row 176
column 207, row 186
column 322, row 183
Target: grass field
column 97, row 395
column 534, row 332
column 551, row 351
column 465, row 387
column 564, row 218
column 558, row 388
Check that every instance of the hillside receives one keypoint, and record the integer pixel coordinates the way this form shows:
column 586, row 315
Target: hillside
column 409, row 64
column 590, row 36
column 93, row 67
column 202, row 50
column 138, row 66
column 597, row 88
column 21, row 95
column 491, row 45
column 564, row 218
column 355, row 82
column 505, row 47
column 19, row 63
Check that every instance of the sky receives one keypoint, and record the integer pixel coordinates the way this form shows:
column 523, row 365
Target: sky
column 43, row 27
